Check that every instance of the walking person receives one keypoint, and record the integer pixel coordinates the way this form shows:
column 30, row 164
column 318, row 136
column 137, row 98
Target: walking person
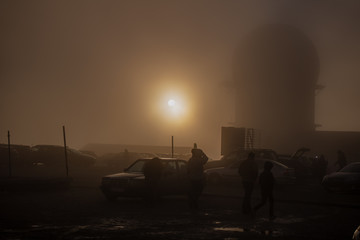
column 267, row 181
column 341, row 160
column 248, row 171
column 196, row 176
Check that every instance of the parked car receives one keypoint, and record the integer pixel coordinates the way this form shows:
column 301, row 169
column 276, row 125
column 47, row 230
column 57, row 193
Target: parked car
column 345, row 180
column 282, row 173
column 131, row 182
column 234, row 156
column 121, row 160
column 20, row 155
column 53, row 156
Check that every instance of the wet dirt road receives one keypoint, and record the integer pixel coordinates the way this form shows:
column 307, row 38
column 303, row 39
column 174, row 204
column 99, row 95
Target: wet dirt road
column 83, row 213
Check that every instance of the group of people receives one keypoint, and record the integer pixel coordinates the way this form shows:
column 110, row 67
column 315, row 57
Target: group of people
column 248, row 170
column 153, row 170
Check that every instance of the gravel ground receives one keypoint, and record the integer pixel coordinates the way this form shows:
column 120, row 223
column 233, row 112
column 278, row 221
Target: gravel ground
column 304, row 212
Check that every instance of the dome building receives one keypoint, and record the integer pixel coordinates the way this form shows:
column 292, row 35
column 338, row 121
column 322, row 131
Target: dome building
column 276, row 68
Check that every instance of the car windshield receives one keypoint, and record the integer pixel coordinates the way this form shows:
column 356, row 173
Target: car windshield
column 136, row 167
column 354, row 168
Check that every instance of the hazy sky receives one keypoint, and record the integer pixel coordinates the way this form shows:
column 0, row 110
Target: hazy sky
column 106, row 69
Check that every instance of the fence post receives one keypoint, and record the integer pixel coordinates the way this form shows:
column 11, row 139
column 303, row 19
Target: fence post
column 66, row 158
column 172, row 146
column 10, row 167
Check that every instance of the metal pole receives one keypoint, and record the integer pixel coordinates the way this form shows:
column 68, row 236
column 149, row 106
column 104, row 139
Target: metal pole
column 172, row 146
column 10, row 169
column 66, row 158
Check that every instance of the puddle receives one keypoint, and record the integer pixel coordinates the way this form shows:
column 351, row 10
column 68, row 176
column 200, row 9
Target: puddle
column 230, row 229
column 274, row 233
column 282, row 220
column 114, row 228
column 288, row 220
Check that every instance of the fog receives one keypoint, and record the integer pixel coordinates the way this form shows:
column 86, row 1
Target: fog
column 107, row 69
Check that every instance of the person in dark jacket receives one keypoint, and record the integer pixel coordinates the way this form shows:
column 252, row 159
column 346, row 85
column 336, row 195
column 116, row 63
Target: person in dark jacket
column 267, row 181
column 196, row 176
column 341, row 160
column 248, row 171
column 152, row 171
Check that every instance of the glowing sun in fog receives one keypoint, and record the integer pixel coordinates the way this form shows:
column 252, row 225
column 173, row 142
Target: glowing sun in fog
column 171, row 103
column 175, row 107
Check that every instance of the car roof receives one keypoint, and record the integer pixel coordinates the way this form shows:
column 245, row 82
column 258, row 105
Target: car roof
column 162, row 159
column 354, row 163
column 265, row 160
column 272, row 161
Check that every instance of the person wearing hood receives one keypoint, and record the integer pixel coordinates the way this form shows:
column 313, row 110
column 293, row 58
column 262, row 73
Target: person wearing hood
column 196, row 176
column 267, row 181
column 248, row 171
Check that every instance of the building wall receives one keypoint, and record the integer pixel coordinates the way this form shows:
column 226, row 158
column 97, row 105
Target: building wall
column 276, row 69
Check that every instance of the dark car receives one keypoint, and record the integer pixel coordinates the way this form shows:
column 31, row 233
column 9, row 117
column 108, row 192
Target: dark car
column 347, row 179
column 20, row 155
column 131, row 182
column 230, row 174
column 54, row 156
column 234, row 156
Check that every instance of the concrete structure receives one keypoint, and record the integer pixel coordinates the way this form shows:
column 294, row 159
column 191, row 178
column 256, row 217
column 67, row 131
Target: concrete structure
column 276, row 69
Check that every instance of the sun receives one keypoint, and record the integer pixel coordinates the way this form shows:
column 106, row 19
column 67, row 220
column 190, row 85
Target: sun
column 171, row 103
column 175, row 107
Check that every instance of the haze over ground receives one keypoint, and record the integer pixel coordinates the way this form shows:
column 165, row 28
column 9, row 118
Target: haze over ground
column 107, row 69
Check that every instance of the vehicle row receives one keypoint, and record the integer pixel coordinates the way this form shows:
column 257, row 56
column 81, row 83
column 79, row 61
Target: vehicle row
column 174, row 179
column 43, row 156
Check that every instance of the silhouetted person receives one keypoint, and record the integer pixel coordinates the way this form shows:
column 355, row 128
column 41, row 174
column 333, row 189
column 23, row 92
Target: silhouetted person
column 320, row 166
column 152, row 171
column 267, row 181
column 248, row 171
column 196, row 176
column 341, row 160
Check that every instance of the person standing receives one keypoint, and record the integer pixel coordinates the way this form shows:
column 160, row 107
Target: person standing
column 152, row 171
column 341, row 160
column 248, row 171
column 196, row 176
column 267, row 181
column 320, row 166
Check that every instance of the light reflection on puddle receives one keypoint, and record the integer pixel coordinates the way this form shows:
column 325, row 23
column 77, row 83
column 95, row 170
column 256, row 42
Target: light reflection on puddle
column 251, row 230
column 288, row 220
column 230, row 229
column 283, row 220
column 114, row 228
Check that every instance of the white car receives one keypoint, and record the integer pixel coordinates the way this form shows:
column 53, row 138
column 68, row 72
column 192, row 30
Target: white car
column 282, row 173
column 345, row 180
column 131, row 182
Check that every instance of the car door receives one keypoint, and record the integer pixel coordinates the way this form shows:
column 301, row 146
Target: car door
column 182, row 184
column 231, row 173
column 169, row 179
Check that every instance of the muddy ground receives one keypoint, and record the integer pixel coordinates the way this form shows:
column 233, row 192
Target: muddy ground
column 81, row 212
